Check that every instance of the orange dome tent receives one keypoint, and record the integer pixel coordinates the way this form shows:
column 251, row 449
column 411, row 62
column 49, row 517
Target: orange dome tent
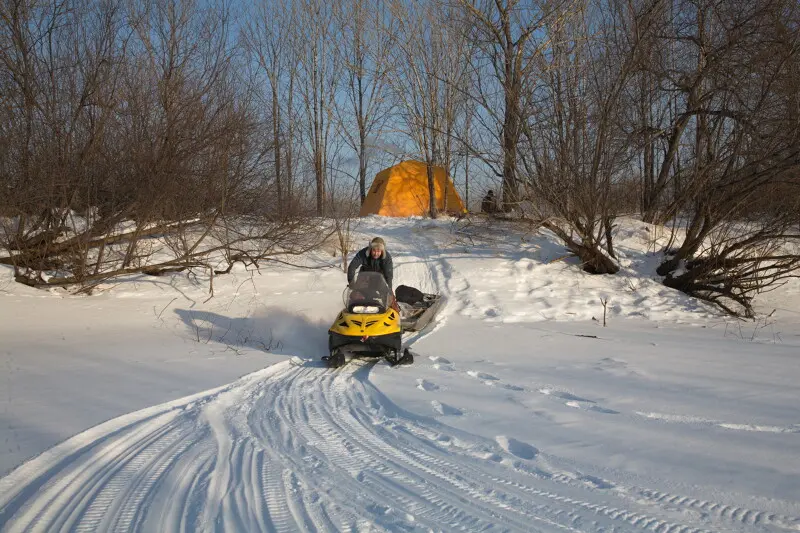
column 402, row 191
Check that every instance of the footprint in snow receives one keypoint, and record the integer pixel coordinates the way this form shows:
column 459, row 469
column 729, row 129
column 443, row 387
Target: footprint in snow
column 595, row 408
column 690, row 419
column 578, row 402
column 564, row 395
column 440, row 363
column 610, row 362
column 604, row 410
column 493, row 381
column 444, row 409
column 517, row 448
column 482, row 375
column 616, row 367
column 423, row 384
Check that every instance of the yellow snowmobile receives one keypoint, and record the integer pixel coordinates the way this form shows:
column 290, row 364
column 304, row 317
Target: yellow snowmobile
column 369, row 325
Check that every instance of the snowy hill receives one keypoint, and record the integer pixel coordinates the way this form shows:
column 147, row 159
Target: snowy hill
column 150, row 407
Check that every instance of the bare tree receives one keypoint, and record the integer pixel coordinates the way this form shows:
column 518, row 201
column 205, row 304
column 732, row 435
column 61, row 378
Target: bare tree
column 431, row 71
column 575, row 148
column 650, row 109
column 741, row 119
column 141, row 138
column 416, row 86
column 368, row 32
column 318, row 79
column 59, row 83
column 267, row 38
column 343, row 200
column 455, row 78
column 506, row 32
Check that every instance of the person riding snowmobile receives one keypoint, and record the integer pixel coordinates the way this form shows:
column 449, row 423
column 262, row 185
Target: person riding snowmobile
column 373, row 258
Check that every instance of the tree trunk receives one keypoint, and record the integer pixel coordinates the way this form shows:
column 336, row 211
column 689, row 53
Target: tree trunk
column 276, row 139
column 592, row 258
column 511, row 128
column 431, row 190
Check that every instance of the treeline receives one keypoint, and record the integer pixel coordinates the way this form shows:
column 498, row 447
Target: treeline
column 232, row 126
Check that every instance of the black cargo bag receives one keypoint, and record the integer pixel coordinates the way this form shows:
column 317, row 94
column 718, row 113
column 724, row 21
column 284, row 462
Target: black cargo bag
column 408, row 295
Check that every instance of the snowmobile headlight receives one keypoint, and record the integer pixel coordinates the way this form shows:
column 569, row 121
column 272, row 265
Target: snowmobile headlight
column 366, row 309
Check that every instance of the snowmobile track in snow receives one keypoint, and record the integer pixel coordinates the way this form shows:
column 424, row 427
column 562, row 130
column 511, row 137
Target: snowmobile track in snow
column 302, row 448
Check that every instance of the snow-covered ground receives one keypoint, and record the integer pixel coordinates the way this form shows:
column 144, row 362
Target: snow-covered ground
column 147, row 407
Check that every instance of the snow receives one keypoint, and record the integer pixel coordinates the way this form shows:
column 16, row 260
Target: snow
column 150, row 407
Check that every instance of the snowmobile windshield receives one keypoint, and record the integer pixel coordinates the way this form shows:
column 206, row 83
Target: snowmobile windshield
column 368, row 294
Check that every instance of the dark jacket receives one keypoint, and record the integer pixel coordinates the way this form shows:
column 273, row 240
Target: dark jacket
column 489, row 203
column 364, row 260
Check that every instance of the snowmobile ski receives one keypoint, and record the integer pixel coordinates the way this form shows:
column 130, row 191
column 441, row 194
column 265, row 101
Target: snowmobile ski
column 404, row 360
column 334, row 360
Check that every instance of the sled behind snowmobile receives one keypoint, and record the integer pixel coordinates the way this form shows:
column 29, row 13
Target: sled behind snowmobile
column 414, row 317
